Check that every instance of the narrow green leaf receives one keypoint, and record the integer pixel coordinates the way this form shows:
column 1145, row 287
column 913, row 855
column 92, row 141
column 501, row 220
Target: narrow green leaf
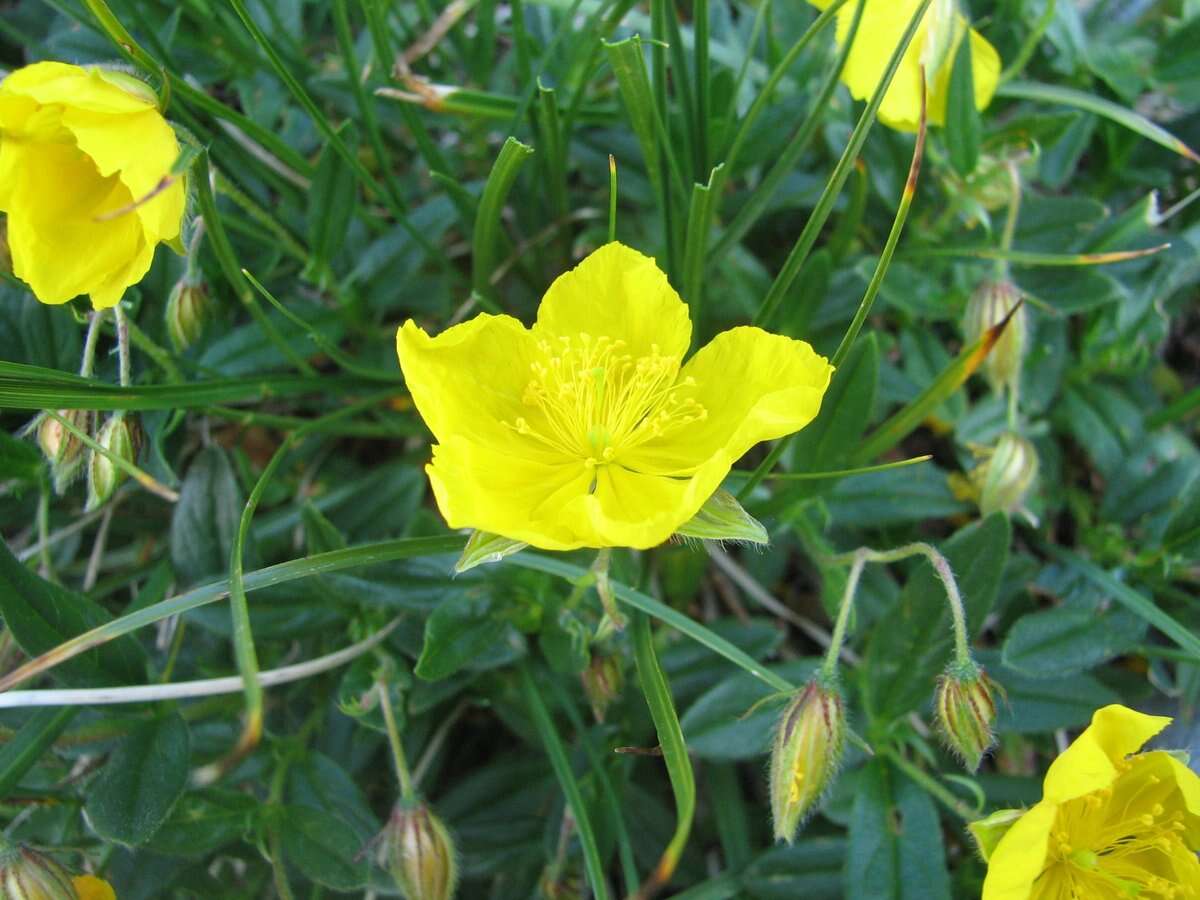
column 670, row 739
column 331, row 203
column 566, row 779
column 1065, row 96
column 695, row 244
column 484, row 547
column 134, row 793
column 963, row 128
column 553, row 151
column 629, row 66
column 22, row 751
column 485, row 239
column 722, row 518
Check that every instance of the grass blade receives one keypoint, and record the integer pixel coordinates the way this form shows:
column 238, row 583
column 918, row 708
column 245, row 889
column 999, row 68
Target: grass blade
column 566, row 779
column 670, row 738
column 485, row 239
column 24, row 749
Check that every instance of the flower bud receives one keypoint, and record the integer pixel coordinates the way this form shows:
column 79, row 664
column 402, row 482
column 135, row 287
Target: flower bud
column 1002, row 480
column 28, row 875
column 120, row 436
column 964, row 710
column 987, row 307
column 62, row 449
column 418, row 851
column 602, row 682
column 187, row 313
column 806, row 754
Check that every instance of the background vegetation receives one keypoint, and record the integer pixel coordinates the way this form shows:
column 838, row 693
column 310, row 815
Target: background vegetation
column 374, row 161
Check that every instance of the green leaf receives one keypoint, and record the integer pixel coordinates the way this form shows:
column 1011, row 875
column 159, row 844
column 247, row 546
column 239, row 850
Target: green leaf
column 629, row 66
column 205, row 821
column 42, row 615
column 464, row 631
column 963, row 126
column 1056, row 642
column 142, row 781
column 35, row 333
column 722, row 518
column 19, row 459
column 484, row 547
column 895, row 849
column 905, row 657
column 322, row 847
column 205, row 520
column 485, row 240
column 22, row 751
column 810, row 868
column 1038, row 705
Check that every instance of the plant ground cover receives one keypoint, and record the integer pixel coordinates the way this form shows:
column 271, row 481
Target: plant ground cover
column 244, row 655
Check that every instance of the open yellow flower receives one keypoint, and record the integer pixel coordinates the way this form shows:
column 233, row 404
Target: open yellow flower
column 934, row 46
column 1109, row 825
column 587, row 430
column 85, row 162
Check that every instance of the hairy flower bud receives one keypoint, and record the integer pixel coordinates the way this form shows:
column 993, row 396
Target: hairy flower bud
column 418, row 851
column 28, row 875
column 62, row 449
column 602, row 681
column 806, row 754
column 987, row 307
column 964, row 710
column 1001, row 481
column 121, row 437
column 187, row 313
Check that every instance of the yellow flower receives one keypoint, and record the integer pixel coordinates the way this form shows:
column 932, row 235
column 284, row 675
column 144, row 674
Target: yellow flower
column 934, row 46
column 89, row 887
column 1110, row 824
column 85, row 160
column 587, row 430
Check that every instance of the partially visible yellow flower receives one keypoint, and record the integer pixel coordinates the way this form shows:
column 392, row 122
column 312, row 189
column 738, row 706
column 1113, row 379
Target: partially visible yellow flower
column 1109, row 825
column 89, row 887
column 934, row 46
column 587, row 430
column 85, row 162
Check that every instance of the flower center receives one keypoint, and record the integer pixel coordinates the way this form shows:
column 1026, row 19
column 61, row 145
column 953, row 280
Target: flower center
column 594, row 401
column 1111, row 860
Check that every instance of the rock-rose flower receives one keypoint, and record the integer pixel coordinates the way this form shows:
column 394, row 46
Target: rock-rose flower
column 588, row 430
column 85, row 163
column 942, row 30
column 1109, row 825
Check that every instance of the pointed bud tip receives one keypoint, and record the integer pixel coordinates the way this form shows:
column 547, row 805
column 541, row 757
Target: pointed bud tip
column 806, row 754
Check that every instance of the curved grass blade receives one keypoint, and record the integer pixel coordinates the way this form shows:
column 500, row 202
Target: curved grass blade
column 26, row 747
column 486, row 235
column 812, row 228
column 1064, row 96
column 1026, row 258
column 566, row 779
column 670, row 739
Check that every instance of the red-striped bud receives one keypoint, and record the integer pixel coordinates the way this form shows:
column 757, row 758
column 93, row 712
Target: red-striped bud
column 806, row 754
column 987, row 307
column 964, row 709
column 418, row 851
column 28, row 875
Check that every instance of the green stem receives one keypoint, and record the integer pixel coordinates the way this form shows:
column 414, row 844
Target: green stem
column 1030, row 43
column 407, row 793
column 123, row 360
column 87, row 363
column 143, row 342
column 1010, row 221
column 930, row 785
column 829, row 667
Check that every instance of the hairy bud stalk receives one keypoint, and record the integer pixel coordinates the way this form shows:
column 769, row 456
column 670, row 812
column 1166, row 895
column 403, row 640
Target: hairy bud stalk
column 418, row 851
column 964, row 709
column 806, row 754
column 987, row 307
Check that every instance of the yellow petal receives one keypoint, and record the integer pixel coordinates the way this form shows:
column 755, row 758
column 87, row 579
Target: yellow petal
column 985, row 69
column 621, row 294
column 89, row 887
column 60, row 244
column 882, row 25
column 754, row 386
column 76, row 87
column 518, row 498
column 140, row 148
column 1020, row 857
column 1090, row 763
column 630, row 509
column 469, row 380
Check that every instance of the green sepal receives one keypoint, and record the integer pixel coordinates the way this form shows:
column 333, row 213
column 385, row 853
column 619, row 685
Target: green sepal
column 485, row 547
column 722, row 518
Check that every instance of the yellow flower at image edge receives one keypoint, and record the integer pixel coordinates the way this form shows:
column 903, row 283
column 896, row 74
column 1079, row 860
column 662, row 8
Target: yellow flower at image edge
column 588, row 430
column 89, row 887
column 83, row 158
column 1109, row 825
column 934, row 45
